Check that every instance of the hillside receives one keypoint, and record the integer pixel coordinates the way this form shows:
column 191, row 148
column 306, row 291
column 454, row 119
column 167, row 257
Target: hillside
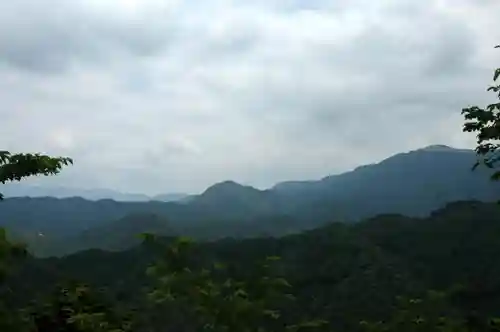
column 120, row 234
column 341, row 272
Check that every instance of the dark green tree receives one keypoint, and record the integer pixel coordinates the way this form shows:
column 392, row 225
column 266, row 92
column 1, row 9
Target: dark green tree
column 210, row 300
column 77, row 308
column 432, row 313
column 486, row 123
column 9, row 253
column 15, row 167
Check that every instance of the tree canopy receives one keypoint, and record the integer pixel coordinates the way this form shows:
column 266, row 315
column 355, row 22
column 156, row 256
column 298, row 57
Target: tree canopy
column 15, row 167
column 486, row 123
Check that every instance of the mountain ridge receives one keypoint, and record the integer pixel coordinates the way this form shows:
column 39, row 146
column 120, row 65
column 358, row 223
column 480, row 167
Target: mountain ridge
column 413, row 184
column 93, row 194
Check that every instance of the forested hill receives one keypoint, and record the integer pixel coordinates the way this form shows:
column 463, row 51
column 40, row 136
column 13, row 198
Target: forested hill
column 342, row 273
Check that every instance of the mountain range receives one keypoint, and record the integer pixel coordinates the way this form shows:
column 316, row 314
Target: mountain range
column 16, row 189
column 414, row 184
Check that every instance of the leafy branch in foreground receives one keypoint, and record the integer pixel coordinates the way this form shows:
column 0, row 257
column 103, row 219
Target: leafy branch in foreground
column 486, row 122
column 15, row 167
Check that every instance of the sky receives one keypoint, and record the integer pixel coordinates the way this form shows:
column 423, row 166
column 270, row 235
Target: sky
column 173, row 96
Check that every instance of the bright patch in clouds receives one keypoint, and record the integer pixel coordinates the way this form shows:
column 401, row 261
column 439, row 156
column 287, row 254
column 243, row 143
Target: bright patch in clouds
column 166, row 96
column 62, row 139
column 128, row 7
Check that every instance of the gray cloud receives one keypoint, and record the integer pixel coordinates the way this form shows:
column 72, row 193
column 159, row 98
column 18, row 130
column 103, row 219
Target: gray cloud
column 159, row 96
column 51, row 35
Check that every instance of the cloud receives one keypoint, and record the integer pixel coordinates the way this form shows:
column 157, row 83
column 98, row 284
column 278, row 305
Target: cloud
column 160, row 96
column 52, row 35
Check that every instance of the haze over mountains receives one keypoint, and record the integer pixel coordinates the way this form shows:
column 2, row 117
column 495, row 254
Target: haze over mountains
column 15, row 189
column 413, row 184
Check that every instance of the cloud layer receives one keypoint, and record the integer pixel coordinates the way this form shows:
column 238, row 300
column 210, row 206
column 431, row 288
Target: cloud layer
column 162, row 96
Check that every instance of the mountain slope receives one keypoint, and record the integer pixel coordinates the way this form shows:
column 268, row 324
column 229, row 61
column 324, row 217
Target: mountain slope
column 232, row 200
column 413, row 183
column 118, row 235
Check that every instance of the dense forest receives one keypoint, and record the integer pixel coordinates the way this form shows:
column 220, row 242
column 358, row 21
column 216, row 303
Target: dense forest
column 388, row 273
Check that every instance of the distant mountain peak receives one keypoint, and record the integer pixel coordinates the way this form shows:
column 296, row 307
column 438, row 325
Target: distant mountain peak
column 442, row 148
column 437, row 147
column 228, row 183
column 231, row 196
column 225, row 186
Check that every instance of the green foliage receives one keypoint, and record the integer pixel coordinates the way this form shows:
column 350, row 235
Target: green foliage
column 76, row 308
column 432, row 313
column 9, row 253
column 217, row 302
column 486, row 122
column 343, row 273
column 15, row 167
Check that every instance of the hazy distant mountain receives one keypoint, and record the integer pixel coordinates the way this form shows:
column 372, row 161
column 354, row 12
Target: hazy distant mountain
column 413, row 184
column 169, row 197
column 16, row 189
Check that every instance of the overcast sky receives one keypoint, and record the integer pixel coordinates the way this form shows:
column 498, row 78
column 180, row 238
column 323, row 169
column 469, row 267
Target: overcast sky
column 169, row 96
